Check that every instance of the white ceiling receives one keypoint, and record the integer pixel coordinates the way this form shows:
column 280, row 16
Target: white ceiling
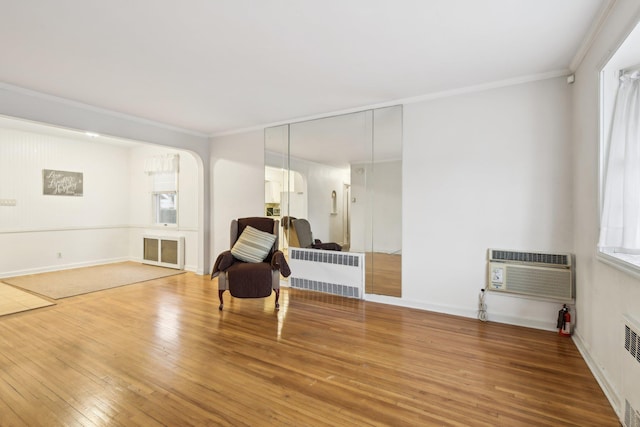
column 217, row 66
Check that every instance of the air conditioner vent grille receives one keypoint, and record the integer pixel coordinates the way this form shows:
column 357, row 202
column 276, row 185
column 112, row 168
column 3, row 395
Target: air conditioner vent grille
column 550, row 282
column 530, row 257
column 630, row 373
column 631, row 416
column 328, row 257
column 631, row 342
column 327, row 288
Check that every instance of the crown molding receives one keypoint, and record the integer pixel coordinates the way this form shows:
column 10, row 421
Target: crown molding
column 87, row 107
column 404, row 101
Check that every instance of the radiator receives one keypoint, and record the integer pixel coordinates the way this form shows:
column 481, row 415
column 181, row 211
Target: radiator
column 538, row 274
column 164, row 251
column 630, row 401
column 331, row 272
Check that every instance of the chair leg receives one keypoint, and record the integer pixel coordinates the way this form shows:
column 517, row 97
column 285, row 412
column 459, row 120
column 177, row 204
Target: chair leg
column 220, row 292
column 277, row 291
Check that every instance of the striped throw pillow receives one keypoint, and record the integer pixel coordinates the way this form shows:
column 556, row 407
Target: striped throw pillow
column 253, row 245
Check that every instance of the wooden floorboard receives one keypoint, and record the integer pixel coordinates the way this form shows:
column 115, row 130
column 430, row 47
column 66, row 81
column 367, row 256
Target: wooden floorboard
column 159, row 353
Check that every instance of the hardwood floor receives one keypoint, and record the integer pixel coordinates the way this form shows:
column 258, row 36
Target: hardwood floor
column 160, row 353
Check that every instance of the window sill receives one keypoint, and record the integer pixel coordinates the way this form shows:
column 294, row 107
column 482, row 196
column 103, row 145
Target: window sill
column 627, row 263
column 168, row 227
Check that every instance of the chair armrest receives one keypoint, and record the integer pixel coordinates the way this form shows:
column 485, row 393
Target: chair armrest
column 279, row 262
column 223, row 262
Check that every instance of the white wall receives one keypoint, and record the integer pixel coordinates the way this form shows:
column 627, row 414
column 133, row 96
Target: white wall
column 105, row 224
column 140, row 206
column 32, row 106
column 604, row 293
column 237, row 174
column 83, row 230
column 483, row 170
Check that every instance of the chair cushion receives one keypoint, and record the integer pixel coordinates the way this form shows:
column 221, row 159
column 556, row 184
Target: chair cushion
column 250, row 280
column 253, row 245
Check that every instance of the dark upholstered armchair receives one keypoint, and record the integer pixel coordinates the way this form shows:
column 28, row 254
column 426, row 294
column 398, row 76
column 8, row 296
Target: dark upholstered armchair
column 252, row 268
column 300, row 236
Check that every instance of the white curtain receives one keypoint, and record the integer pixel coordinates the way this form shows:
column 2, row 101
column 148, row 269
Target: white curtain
column 167, row 163
column 620, row 221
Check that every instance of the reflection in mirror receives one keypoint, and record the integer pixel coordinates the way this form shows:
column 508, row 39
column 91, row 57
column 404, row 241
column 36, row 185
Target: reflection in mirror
column 276, row 179
column 385, row 258
column 323, row 151
column 325, row 171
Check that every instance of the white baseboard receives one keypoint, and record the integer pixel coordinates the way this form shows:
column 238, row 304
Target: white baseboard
column 524, row 322
column 58, row 267
column 463, row 312
column 601, row 378
column 456, row 311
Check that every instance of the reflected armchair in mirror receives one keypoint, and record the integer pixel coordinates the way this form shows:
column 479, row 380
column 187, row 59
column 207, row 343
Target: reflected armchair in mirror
column 300, row 236
column 287, row 222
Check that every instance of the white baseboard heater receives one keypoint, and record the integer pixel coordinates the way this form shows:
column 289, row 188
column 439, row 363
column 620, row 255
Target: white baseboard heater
column 537, row 274
column 630, row 399
column 332, row 272
column 164, row 251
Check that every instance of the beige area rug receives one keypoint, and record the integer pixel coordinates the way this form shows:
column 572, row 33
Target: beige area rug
column 14, row 300
column 67, row 283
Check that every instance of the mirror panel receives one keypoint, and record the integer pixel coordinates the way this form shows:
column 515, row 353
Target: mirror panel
column 276, row 179
column 322, row 151
column 386, row 187
column 326, row 170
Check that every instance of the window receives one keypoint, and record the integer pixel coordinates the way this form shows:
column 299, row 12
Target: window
column 620, row 220
column 163, row 173
column 165, row 198
column 165, row 207
column 619, row 241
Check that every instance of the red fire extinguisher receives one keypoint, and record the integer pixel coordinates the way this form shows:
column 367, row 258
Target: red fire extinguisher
column 564, row 321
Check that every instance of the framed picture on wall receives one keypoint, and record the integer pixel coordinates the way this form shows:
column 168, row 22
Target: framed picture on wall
column 62, row 183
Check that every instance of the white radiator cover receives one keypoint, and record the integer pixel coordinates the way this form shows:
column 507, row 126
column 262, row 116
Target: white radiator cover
column 332, row 272
column 164, row 251
column 537, row 274
column 630, row 402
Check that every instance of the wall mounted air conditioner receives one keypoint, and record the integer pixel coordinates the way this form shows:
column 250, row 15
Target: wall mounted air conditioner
column 163, row 251
column 537, row 274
